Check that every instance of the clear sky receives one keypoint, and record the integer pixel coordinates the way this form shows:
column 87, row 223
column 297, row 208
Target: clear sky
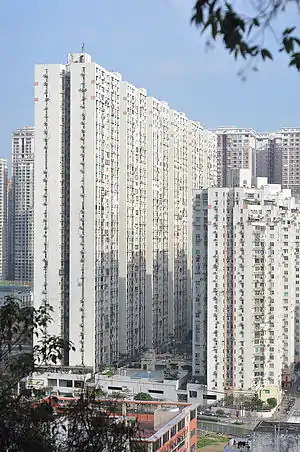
column 152, row 44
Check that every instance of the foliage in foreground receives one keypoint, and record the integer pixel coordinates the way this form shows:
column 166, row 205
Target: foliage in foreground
column 244, row 27
column 28, row 426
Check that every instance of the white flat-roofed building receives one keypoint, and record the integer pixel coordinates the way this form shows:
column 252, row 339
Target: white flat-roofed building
column 114, row 173
column 245, row 285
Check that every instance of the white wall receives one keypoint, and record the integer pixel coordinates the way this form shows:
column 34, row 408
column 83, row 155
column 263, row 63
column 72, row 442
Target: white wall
column 47, row 211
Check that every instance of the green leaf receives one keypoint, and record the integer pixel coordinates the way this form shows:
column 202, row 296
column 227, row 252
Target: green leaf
column 295, row 61
column 288, row 31
column 297, row 40
column 266, row 54
column 288, row 44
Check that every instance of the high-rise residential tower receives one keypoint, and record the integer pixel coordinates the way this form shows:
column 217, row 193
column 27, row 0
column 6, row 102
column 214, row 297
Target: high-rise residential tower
column 245, row 285
column 236, row 150
column 114, row 173
column 10, row 230
column 3, row 219
column 21, row 219
column 269, row 154
column 290, row 160
column 278, row 158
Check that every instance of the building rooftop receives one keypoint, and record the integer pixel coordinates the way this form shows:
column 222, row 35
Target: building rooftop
column 15, row 284
column 154, row 418
column 153, row 375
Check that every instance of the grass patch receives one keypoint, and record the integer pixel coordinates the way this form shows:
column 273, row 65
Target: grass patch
column 211, row 439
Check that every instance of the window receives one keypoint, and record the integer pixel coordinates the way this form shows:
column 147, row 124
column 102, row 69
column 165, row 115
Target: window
column 181, row 425
column 153, row 391
column 209, row 397
column 193, row 432
column 115, row 388
column 166, row 438
column 66, row 383
column 173, row 431
column 192, row 415
column 52, row 382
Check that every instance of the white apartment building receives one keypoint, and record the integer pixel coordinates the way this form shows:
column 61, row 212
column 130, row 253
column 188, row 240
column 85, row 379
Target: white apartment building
column 10, row 225
column 245, row 285
column 236, row 150
column 21, row 219
column 114, row 173
column 3, row 219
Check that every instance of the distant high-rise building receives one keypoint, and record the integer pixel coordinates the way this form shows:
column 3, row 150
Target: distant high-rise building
column 22, row 221
column 10, row 271
column 236, row 150
column 278, row 158
column 114, row 172
column 3, row 218
column 290, row 160
column 245, row 286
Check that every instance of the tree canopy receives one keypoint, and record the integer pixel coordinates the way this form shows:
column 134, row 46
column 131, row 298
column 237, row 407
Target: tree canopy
column 244, row 28
column 30, row 425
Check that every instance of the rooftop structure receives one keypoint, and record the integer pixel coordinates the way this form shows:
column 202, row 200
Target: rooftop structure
column 163, row 426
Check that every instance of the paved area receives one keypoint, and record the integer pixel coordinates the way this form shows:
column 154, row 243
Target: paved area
column 290, row 402
column 214, row 448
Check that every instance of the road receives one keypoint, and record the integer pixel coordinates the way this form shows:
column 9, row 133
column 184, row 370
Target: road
column 286, row 408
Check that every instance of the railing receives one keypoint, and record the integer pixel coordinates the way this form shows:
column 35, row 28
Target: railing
column 230, row 429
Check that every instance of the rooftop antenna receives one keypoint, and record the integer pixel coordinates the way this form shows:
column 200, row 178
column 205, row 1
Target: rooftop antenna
column 82, row 48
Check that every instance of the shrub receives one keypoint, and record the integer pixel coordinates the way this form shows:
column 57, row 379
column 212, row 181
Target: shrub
column 272, row 402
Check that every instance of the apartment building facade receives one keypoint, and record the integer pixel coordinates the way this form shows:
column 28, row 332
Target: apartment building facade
column 10, row 248
column 114, row 172
column 269, row 157
column 3, row 219
column 277, row 157
column 21, row 218
column 236, row 150
column 245, row 285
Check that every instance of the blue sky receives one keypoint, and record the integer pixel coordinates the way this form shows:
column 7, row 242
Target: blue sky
column 152, row 44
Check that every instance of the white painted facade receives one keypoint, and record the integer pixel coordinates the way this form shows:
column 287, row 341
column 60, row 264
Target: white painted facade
column 113, row 211
column 3, row 219
column 22, row 205
column 245, row 285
